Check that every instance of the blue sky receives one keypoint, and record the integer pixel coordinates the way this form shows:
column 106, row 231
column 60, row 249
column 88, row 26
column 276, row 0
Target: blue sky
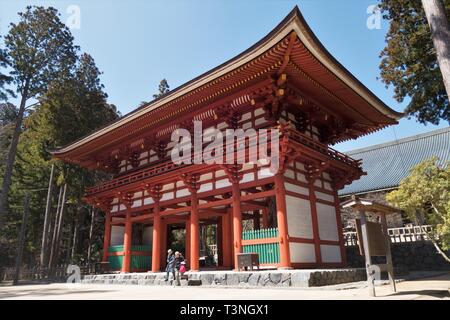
column 136, row 43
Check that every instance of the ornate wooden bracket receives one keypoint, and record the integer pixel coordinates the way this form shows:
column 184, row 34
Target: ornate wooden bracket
column 126, row 198
column 191, row 181
column 340, row 179
column 154, row 191
column 233, row 172
column 314, row 170
column 103, row 204
column 230, row 117
column 134, row 159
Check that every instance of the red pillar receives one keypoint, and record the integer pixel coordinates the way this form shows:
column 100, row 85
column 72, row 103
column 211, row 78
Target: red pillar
column 156, row 250
column 188, row 243
column 127, row 242
column 107, row 236
column 280, row 194
column 226, row 241
column 195, row 247
column 237, row 222
column 315, row 222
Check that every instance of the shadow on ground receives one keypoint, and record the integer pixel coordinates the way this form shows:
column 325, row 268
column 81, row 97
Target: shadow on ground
column 47, row 292
column 439, row 293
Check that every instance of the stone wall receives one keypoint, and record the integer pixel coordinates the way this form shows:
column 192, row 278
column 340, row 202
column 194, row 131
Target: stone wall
column 348, row 215
column 406, row 256
column 272, row 278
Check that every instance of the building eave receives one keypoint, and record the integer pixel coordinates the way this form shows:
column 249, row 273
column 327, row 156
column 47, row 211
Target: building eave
column 293, row 22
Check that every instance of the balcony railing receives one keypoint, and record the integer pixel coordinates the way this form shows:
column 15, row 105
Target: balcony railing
column 168, row 166
column 320, row 147
column 397, row 235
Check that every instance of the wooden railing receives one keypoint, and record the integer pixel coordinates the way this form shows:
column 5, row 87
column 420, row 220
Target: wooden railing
column 320, row 147
column 36, row 273
column 264, row 242
column 169, row 166
column 397, row 235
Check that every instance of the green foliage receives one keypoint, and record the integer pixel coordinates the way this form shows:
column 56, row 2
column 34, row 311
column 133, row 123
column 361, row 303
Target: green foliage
column 4, row 78
column 8, row 113
column 39, row 49
column 425, row 193
column 409, row 61
column 163, row 88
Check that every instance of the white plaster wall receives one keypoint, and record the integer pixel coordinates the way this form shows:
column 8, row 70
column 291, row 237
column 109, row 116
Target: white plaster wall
column 326, row 217
column 302, row 252
column 295, row 188
column 299, row 217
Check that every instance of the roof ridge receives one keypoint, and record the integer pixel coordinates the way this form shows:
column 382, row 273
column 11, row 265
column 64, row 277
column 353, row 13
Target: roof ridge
column 399, row 141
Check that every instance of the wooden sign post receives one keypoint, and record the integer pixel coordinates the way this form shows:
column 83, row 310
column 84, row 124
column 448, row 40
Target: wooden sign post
column 373, row 239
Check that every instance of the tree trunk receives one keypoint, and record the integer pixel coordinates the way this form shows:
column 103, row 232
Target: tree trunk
column 90, row 234
column 58, row 232
column 55, row 228
column 23, row 231
column 436, row 245
column 12, row 157
column 44, row 251
column 440, row 32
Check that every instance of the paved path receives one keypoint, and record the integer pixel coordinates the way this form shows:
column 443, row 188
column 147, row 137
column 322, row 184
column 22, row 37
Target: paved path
column 437, row 287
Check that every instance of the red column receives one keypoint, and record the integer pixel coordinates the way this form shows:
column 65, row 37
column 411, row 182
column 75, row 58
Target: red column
column 127, row 242
column 237, row 222
column 226, row 241
column 280, row 194
column 156, row 250
column 315, row 222
column 188, row 243
column 107, row 236
column 195, row 247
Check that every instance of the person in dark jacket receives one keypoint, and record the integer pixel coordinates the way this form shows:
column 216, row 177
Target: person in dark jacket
column 170, row 267
column 179, row 259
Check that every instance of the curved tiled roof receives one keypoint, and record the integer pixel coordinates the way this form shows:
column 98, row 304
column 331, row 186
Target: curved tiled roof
column 388, row 163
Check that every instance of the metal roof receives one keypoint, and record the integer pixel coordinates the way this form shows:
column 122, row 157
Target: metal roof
column 388, row 163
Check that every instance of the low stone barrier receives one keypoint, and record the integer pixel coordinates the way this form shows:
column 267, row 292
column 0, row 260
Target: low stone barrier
column 275, row 278
column 406, row 256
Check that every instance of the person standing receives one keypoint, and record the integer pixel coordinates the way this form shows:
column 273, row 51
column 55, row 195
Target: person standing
column 170, row 267
column 179, row 260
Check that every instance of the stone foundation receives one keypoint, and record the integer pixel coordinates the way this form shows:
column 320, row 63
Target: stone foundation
column 282, row 278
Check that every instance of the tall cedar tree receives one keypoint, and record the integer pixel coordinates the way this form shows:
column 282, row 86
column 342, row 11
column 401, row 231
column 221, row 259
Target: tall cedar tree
column 39, row 49
column 71, row 107
column 409, row 61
